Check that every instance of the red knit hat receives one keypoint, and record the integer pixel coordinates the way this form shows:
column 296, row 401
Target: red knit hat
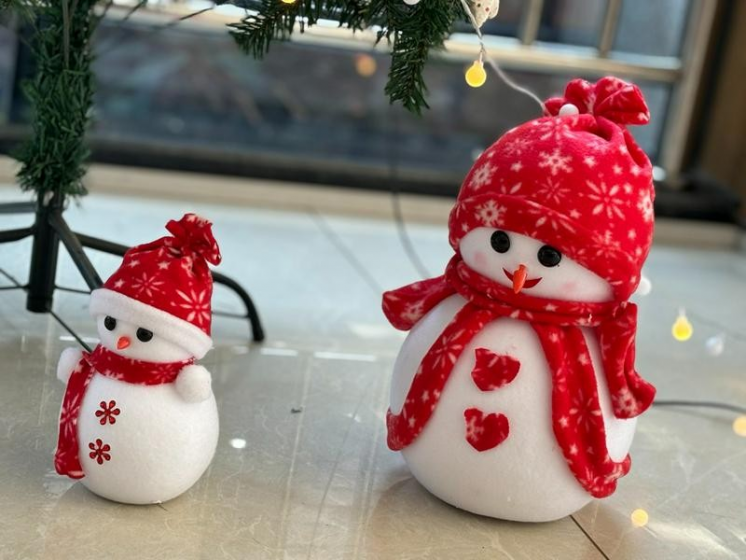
column 575, row 179
column 166, row 285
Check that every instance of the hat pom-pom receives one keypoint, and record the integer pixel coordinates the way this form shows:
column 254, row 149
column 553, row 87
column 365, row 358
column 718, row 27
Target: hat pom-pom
column 611, row 98
column 193, row 234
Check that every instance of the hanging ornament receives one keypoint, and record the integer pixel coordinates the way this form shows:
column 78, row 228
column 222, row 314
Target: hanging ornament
column 484, row 10
column 682, row 329
column 411, row 2
column 715, row 344
column 476, row 76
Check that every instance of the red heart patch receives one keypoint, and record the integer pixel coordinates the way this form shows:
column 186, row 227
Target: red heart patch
column 485, row 432
column 492, row 371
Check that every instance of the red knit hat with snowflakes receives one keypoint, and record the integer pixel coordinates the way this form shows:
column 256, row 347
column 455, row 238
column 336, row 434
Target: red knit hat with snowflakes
column 166, row 285
column 574, row 179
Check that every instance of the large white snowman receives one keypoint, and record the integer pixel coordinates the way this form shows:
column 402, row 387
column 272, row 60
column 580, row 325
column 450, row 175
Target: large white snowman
column 139, row 422
column 515, row 394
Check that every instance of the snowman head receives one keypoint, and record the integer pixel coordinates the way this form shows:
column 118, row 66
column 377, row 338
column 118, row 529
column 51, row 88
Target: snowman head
column 531, row 266
column 138, row 342
column 561, row 207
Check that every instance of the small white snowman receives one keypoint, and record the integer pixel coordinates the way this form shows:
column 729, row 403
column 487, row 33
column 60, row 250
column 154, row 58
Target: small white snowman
column 515, row 394
column 139, row 422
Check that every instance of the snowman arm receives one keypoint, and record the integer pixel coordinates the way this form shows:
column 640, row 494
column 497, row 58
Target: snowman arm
column 68, row 362
column 194, row 384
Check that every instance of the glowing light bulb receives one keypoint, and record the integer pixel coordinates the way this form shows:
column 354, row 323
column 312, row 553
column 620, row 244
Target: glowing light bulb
column 288, row 1
column 639, row 518
column 682, row 329
column 739, row 426
column 237, row 443
column 715, row 345
column 365, row 65
column 476, row 76
column 411, row 2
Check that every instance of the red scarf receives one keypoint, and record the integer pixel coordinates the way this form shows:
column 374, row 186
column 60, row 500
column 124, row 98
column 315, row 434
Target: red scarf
column 107, row 363
column 576, row 414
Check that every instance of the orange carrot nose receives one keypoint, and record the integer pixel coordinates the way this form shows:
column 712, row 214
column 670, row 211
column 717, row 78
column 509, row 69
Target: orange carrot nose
column 519, row 278
column 123, row 342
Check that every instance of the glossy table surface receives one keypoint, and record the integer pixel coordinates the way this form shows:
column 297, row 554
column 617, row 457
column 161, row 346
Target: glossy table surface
column 302, row 469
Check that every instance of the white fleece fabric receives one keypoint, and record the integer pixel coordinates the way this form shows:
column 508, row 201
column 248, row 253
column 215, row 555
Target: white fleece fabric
column 525, row 478
column 160, row 444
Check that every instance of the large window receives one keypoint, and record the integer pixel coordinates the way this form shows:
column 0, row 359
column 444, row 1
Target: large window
column 315, row 109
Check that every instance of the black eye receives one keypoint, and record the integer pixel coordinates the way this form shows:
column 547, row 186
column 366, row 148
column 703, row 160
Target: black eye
column 549, row 256
column 144, row 335
column 110, row 323
column 500, row 241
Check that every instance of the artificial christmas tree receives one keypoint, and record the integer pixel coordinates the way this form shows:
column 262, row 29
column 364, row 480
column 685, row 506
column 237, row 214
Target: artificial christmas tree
column 53, row 160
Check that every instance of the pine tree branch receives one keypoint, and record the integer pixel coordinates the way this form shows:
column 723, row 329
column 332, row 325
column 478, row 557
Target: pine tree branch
column 61, row 94
column 255, row 32
column 413, row 31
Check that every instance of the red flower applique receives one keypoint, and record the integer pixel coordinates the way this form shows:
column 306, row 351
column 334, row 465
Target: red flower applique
column 107, row 412
column 99, row 451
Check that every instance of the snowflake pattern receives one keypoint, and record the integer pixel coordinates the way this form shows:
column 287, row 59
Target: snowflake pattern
column 625, row 404
column 605, row 200
column 515, row 147
column 490, row 214
column 645, row 205
column 197, row 305
column 555, row 130
column 555, row 162
column 414, row 312
column 107, row 412
column 147, row 285
column 553, row 191
column 481, row 176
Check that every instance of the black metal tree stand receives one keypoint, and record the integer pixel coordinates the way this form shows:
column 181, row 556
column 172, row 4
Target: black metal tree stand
column 50, row 229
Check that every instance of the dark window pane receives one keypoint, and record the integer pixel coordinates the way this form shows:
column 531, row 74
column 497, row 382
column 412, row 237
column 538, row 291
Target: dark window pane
column 652, row 28
column 573, row 22
column 313, row 105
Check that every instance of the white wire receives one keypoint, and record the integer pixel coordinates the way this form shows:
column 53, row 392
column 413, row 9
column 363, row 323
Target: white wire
column 499, row 71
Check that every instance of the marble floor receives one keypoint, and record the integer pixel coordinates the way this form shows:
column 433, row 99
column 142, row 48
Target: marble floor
column 302, row 469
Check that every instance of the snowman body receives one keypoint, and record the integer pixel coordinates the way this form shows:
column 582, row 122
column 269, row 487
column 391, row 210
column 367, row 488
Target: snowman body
column 159, row 445
column 525, row 477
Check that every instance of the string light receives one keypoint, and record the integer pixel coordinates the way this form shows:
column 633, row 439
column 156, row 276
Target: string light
column 365, row 65
column 476, row 76
column 639, row 518
column 682, row 329
column 483, row 55
column 739, row 426
column 288, row 1
column 715, row 345
column 237, row 443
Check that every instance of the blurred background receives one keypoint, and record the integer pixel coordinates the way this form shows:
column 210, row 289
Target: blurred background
column 184, row 97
